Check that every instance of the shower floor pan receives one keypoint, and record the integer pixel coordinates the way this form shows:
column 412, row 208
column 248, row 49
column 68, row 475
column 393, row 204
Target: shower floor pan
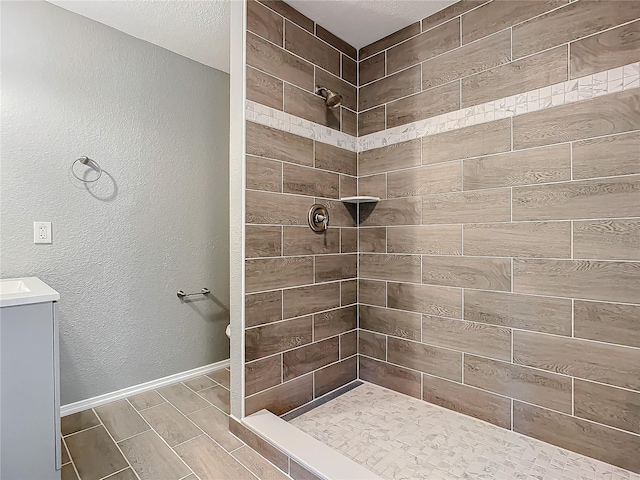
column 398, row 437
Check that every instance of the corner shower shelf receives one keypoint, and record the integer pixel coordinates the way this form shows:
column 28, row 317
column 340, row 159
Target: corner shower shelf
column 360, row 199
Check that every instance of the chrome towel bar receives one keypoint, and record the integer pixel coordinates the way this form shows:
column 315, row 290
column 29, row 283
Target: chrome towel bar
column 181, row 295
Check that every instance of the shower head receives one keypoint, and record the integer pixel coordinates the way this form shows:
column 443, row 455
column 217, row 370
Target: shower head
column 332, row 99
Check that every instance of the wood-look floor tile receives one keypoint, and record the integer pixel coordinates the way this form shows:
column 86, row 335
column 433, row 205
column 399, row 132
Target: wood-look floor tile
column 373, row 185
column 429, row 103
column 600, row 362
column 390, row 88
column 470, row 401
column 608, row 405
column 372, row 292
column 303, row 241
column 334, row 322
column 450, row 12
column 65, row 453
column 222, row 376
column 283, row 398
column 129, row 474
column 218, row 396
column 372, row 68
column 208, row 460
column 349, row 72
column 277, row 337
column 263, row 308
column 146, row 400
column 272, row 273
column 311, row 299
column 264, row 174
column 372, row 345
column 429, row 299
column 277, row 209
column 290, row 13
column 477, row 206
column 264, row 448
column 263, row 141
column 402, row 268
column 94, row 453
column 298, row 472
column 216, row 424
column 348, row 344
column 262, row 374
column 467, row 272
column 264, row 89
column 258, row 465
column 183, row 398
column 312, row 49
column 348, row 240
column 78, row 421
column 310, row 182
column 121, row 420
column 68, row 473
column 170, row 424
column 426, row 180
column 348, row 292
column 390, row 376
column 335, row 159
column 349, row 121
column 372, row 239
column 390, row 322
column 371, row 121
column 431, row 239
column 263, row 241
column 425, row 358
column 310, row 357
column 527, row 384
column 607, row 239
column 390, row 40
column 392, row 157
column 264, row 22
column 606, row 156
column 199, row 383
column 607, row 322
column 336, row 267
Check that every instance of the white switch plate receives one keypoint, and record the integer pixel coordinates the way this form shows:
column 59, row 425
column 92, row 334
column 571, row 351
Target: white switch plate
column 41, row 232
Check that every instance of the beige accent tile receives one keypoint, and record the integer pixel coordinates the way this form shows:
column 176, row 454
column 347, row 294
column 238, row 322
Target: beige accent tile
column 260, row 467
column 578, row 435
column 218, row 396
column 335, row 376
column 613, row 113
column 392, row 157
column 500, row 14
column 522, row 239
column 170, row 424
column 477, row 57
column 290, row 13
column 278, row 62
column 467, row 272
column 78, row 421
column 390, row 88
column 430, row 103
column 262, row 241
column 276, row 208
column 372, row 345
column 399, row 211
column 310, row 181
column 283, row 398
column 336, row 267
column 426, row 180
column 541, row 314
column 121, row 420
column 182, row 398
column 371, row 121
column 310, row 357
column 600, row 198
column 373, row 239
column 373, row 185
column 199, row 383
column 348, row 240
column 335, row 159
column 372, row 68
column 426, row 299
column 482, row 139
column 263, row 88
column 425, row 239
column 264, row 22
column 277, row 337
column 390, row 322
column 310, row 48
column 609, row 405
column 348, row 292
column 533, row 386
column 222, row 376
column 262, row 374
column 606, row 156
column 575, row 20
column 271, row 273
column 216, row 424
column 390, row 40
column 304, row 241
column 372, row 292
column 424, row 46
column 310, row 106
column 263, row 308
column 607, row 322
column 146, row 400
column 348, row 91
column 311, row 299
column 480, row 206
column 94, row 454
column 390, row 376
column 584, row 279
column 208, row 460
column 334, row 322
column 477, row 338
column 526, row 167
column 403, row 268
column 600, row 362
column 269, row 142
column 263, row 174
column 348, row 344
column 470, row 401
column 425, row 358
column 607, row 239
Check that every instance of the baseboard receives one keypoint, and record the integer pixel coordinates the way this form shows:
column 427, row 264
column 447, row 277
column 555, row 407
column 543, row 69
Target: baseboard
column 140, row 388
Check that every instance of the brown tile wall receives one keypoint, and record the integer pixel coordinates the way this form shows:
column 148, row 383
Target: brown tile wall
column 499, row 275
column 477, row 51
column 301, row 287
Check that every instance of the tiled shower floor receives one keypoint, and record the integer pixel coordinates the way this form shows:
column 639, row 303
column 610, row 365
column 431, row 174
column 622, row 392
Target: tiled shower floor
column 398, row 437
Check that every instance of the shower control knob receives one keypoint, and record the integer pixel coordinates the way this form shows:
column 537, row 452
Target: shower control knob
column 318, row 218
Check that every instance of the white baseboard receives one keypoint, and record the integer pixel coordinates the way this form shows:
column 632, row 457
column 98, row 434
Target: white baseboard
column 143, row 387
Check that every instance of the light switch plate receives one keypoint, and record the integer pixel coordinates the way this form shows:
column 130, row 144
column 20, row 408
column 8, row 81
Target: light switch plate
column 42, row 232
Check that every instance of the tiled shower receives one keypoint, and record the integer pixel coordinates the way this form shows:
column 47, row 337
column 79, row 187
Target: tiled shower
column 498, row 275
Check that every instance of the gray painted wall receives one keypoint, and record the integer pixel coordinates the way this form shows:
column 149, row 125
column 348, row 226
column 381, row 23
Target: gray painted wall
column 157, row 222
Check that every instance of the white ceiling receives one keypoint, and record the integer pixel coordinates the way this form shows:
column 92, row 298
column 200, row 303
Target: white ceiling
column 199, row 29
column 361, row 22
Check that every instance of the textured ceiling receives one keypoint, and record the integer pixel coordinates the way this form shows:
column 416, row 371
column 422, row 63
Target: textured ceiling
column 361, row 22
column 199, row 29
column 196, row 29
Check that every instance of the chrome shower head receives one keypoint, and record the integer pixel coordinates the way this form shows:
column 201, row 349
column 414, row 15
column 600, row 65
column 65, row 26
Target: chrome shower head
column 331, row 98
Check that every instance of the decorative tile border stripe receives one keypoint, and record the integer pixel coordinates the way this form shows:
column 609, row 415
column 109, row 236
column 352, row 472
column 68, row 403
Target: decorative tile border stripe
column 583, row 88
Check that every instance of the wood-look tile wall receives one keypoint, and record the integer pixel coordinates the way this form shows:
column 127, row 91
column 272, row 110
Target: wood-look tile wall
column 478, row 51
column 499, row 276
column 301, row 287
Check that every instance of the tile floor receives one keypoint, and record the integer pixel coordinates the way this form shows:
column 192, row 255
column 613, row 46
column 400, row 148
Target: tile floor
column 398, row 437
column 180, row 431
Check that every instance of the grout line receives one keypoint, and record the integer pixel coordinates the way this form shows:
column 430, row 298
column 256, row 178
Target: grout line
column 114, row 440
column 119, row 471
column 75, row 469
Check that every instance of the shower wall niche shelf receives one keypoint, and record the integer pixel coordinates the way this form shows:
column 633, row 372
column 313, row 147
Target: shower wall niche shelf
column 360, row 199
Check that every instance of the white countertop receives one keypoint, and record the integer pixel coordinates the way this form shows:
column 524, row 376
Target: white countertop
column 24, row 291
